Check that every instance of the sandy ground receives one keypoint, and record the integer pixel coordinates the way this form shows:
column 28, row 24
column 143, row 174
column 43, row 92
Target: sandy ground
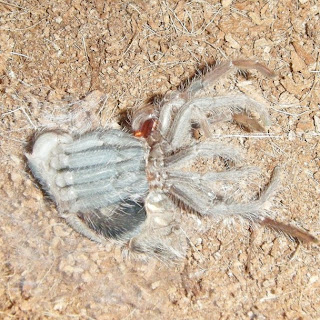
column 53, row 53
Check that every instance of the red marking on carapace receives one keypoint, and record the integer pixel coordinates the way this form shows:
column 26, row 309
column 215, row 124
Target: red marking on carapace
column 145, row 129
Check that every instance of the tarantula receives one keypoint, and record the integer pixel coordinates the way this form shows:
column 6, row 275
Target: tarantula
column 109, row 184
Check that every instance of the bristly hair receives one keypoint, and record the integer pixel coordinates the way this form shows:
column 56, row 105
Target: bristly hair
column 289, row 230
column 199, row 72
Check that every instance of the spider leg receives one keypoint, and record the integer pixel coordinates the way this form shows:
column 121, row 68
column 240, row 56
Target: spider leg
column 221, row 69
column 171, row 101
column 81, row 227
column 159, row 247
column 144, row 118
column 211, row 177
column 205, row 149
column 220, row 108
column 225, row 107
column 188, row 191
column 218, row 71
column 244, row 64
column 190, row 195
column 241, row 109
column 289, row 230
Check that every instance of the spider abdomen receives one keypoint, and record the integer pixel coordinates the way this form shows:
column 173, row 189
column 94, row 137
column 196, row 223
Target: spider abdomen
column 120, row 223
column 98, row 178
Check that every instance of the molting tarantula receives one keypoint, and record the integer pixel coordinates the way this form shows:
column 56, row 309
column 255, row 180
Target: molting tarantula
column 109, row 184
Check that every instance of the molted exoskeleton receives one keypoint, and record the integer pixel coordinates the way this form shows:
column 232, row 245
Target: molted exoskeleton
column 111, row 185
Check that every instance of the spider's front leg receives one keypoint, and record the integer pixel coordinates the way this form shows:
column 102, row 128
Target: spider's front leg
column 222, row 69
column 228, row 108
column 97, row 181
column 220, row 108
column 179, row 109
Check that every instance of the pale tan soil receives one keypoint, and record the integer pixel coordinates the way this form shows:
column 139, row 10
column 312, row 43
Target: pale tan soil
column 56, row 52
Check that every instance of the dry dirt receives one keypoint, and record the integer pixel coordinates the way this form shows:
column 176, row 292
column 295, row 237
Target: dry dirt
column 53, row 53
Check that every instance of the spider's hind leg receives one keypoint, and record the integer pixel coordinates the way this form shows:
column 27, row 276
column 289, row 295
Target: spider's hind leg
column 188, row 192
column 211, row 204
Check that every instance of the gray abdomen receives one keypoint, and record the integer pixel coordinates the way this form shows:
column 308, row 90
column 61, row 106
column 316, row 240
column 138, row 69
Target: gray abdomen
column 99, row 177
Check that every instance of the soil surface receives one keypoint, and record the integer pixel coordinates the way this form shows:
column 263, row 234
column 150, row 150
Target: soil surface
column 107, row 57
